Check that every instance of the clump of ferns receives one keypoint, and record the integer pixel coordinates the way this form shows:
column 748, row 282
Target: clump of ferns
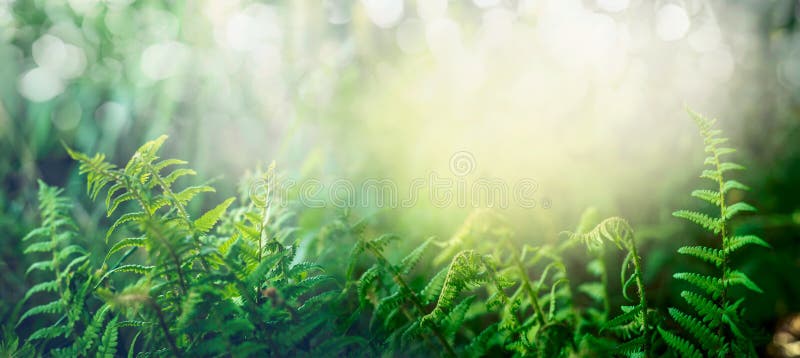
column 262, row 251
column 401, row 314
column 175, row 257
column 77, row 332
column 230, row 295
column 714, row 327
column 538, row 316
column 634, row 327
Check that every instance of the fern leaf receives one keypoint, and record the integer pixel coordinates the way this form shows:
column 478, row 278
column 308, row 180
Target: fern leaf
column 168, row 162
column 714, row 256
column 108, row 344
column 176, row 174
column 712, row 175
column 186, row 195
column 631, row 348
column 429, row 293
column 388, row 303
column 210, row 218
column 49, row 332
column 413, row 257
column 129, row 217
column 707, row 222
column 115, row 203
column 739, row 278
column 48, row 286
column 37, row 232
column 125, row 243
column 681, row 345
column 455, row 319
column 707, row 309
column 728, row 166
column 737, row 208
column 711, row 196
column 137, row 269
column 367, row 279
column 48, row 308
column 707, row 339
column 711, row 285
column 738, row 242
column 41, row 265
column 733, row 184
column 624, row 318
column 44, row 246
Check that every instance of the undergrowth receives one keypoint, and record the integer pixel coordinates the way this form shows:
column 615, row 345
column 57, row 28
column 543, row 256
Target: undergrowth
column 237, row 281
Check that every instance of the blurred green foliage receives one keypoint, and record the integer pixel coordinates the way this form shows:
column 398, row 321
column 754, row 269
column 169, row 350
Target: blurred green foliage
column 334, row 89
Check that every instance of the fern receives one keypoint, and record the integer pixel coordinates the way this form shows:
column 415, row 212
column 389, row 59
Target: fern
column 633, row 322
column 66, row 260
column 715, row 327
column 241, row 279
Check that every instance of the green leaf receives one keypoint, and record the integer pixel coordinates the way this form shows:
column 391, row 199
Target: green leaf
column 117, row 201
column 365, row 283
column 707, row 309
column 124, row 243
column 681, row 345
column 624, row 318
column 48, row 308
column 737, row 208
column 710, row 196
column 728, row 166
column 711, row 285
column 172, row 177
column 707, row 339
column 129, row 217
column 189, row 193
column 108, row 344
column 738, row 242
column 47, row 286
column 733, row 184
column 138, row 269
column 708, row 254
column 39, row 231
column 49, row 332
column 739, row 278
column 413, row 257
column 167, row 162
column 713, row 175
column 45, row 246
column 41, row 265
column 210, row 218
column 707, row 222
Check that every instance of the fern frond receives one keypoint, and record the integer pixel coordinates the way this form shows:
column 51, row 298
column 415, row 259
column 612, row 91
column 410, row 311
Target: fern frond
column 731, row 184
column 738, row 242
column 210, row 218
column 711, row 285
column 709, row 340
column 48, row 308
column 413, row 257
column 710, row 196
column 125, row 243
column 734, row 277
column 714, row 256
column 686, row 348
column 708, row 310
column 712, row 224
column 736, row 208
column 108, row 344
